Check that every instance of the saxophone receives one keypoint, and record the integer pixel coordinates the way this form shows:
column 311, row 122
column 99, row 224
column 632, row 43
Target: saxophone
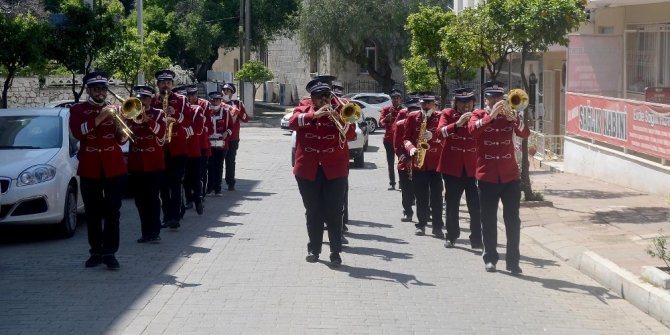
column 422, row 145
column 168, row 133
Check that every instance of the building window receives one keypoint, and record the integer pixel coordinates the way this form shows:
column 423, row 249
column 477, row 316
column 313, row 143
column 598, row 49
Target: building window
column 647, row 54
column 370, row 54
column 314, row 61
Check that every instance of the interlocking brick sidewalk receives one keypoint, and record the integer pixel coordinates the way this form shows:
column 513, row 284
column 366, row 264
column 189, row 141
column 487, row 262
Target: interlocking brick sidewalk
column 591, row 222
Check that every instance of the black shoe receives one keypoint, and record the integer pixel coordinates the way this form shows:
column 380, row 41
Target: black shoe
column 142, row 240
column 335, row 259
column 449, row 244
column 344, row 228
column 312, row 257
column 406, row 218
column 199, row 208
column 174, row 224
column 231, row 188
column 420, row 231
column 155, row 239
column 438, row 233
column 111, row 262
column 514, row 269
column 93, row 261
column 344, row 240
column 166, row 224
column 391, row 188
column 476, row 244
column 189, row 205
column 490, row 267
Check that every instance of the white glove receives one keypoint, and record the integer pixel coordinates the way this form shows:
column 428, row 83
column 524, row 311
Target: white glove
column 428, row 135
column 412, row 152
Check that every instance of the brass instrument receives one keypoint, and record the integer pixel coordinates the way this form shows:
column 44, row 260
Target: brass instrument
column 422, row 145
column 349, row 113
column 168, row 133
column 131, row 109
column 514, row 102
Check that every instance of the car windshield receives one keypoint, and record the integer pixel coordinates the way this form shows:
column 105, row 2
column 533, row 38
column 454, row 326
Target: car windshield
column 30, row 132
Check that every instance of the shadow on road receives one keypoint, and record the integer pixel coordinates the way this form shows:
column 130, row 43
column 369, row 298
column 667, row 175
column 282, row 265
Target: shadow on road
column 377, row 238
column 385, row 255
column 382, row 275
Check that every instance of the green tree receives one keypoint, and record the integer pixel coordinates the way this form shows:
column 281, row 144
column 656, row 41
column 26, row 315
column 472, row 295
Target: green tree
column 348, row 27
column 460, row 48
column 419, row 75
column 85, row 34
column 254, row 72
column 23, row 39
column 198, row 28
column 534, row 25
column 424, row 28
column 493, row 40
column 131, row 56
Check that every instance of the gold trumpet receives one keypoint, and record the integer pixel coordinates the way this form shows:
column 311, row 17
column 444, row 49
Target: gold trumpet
column 514, row 102
column 131, row 109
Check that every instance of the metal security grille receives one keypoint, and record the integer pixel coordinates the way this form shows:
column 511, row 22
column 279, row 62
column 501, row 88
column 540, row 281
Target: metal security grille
column 647, row 57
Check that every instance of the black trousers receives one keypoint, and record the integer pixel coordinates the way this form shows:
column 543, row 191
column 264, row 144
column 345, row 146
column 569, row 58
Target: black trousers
column 428, row 191
column 215, row 170
column 230, row 162
column 323, row 200
column 192, row 182
column 390, row 162
column 171, row 189
column 510, row 195
column 146, row 188
column 203, row 172
column 455, row 187
column 102, row 204
column 407, row 191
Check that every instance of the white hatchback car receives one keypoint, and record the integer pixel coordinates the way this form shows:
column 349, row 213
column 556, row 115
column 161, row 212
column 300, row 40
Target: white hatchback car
column 38, row 167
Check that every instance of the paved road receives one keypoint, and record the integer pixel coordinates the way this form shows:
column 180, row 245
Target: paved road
column 240, row 269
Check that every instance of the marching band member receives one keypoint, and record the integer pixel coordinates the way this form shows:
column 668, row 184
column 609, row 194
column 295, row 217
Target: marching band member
column 236, row 115
column 457, row 165
column 176, row 148
column 101, row 169
column 404, row 160
column 321, row 168
column 387, row 119
column 205, row 145
column 192, row 184
column 426, row 181
column 146, row 164
column 498, row 174
column 218, row 143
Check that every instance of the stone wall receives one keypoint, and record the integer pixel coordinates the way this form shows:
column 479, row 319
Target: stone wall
column 29, row 92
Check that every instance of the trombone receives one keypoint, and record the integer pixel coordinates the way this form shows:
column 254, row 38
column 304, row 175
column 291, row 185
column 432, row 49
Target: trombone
column 131, row 109
column 349, row 113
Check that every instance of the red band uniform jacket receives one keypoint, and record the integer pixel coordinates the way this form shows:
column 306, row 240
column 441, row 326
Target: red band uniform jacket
column 195, row 131
column 404, row 160
column 318, row 144
column 100, row 154
column 236, row 115
column 177, row 145
column 209, row 127
column 146, row 151
column 388, row 126
column 495, row 146
column 460, row 147
column 412, row 127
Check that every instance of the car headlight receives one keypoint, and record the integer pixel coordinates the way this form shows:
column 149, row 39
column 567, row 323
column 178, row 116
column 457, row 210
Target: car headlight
column 36, row 174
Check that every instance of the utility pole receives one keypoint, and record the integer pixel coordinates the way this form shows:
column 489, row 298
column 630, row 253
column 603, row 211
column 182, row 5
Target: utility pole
column 240, row 31
column 140, row 31
column 247, row 30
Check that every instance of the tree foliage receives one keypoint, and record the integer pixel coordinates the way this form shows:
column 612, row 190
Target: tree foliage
column 85, row 34
column 419, row 75
column 254, row 72
column 23, row 39
column 460, row 48
column 198, row 28
column 131, row 56
column 424, row 28
column 347, row 27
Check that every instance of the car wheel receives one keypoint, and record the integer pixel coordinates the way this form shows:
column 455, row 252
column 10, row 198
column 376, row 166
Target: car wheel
column 372, row 125
column 292, row 156
column 69, row 223
column 359, row 161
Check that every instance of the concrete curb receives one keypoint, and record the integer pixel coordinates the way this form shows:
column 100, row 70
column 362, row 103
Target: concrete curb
column 648, row 298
